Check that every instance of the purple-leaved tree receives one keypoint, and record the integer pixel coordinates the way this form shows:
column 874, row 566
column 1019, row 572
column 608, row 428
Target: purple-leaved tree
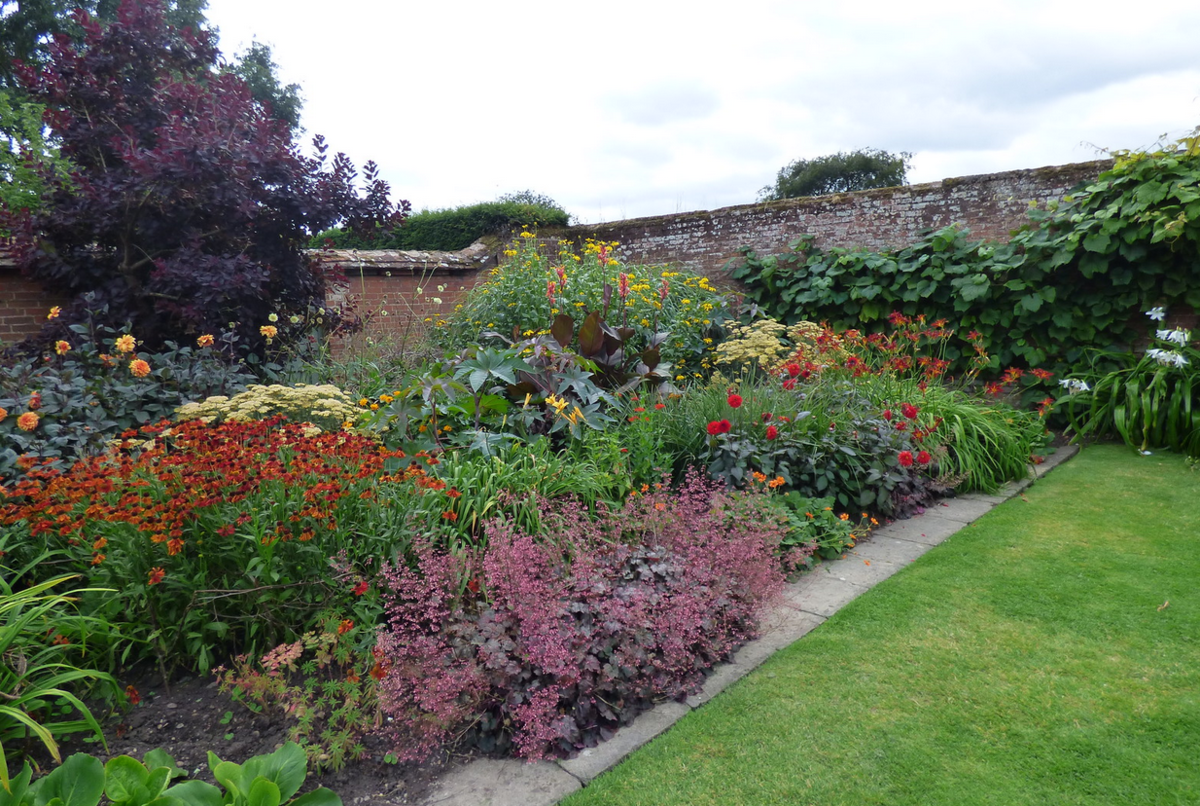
column 190, row 206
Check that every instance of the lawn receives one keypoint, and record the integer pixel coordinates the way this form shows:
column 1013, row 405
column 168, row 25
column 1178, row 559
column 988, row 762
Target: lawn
column 1046, row 654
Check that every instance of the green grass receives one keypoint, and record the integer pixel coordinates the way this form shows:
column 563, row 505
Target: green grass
column 1028, row 660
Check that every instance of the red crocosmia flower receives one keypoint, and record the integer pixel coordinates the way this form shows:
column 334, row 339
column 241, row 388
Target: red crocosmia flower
column 345, row 626
column 887, row 414
column 923, row 458
column 905, row 458
column 789, row 384
column 361, row 588
column 734, row 400
column 772, row 432
column 909, row 411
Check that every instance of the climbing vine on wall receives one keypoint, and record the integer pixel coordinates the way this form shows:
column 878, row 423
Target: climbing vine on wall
column 1077, row 276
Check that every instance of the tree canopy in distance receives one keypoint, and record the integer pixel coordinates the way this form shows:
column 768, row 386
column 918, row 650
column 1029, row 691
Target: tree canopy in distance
column 842, row 172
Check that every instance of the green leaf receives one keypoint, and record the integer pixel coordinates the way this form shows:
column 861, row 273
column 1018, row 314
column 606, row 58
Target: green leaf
column 195, row 793
column 263, row 792
column 1097, row 242
column 286, row 767
column 122, row 777
column 318, row 797
column 78, row 782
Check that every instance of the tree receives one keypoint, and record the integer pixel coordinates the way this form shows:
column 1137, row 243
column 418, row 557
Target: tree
column 257, row 69
column 189, row 207
column 28, row 27
column 838, row 173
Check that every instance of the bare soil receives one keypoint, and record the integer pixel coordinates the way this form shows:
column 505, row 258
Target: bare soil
column 193, row 717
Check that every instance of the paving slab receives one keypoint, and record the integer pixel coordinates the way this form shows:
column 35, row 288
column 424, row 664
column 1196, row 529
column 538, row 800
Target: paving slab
column 508, row 782
column 885, row 548
column 930, row 528
column 1055, row 459
column 595, row 760
column 963, row 510
column 821, row 593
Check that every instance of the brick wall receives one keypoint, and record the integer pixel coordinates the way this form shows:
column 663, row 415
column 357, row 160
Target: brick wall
column 990, row 205
column 23, row 306
column 383, row 285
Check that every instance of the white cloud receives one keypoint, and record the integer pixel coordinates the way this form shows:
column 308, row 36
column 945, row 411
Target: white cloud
column 631, row 109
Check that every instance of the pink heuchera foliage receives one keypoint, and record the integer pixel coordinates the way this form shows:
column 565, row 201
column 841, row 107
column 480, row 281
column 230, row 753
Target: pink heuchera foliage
column 426, row 689
column 585, row 626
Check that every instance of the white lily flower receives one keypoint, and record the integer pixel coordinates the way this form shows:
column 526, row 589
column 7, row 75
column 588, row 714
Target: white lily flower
column 1157, row 314
column 1074, row 385
column 1177, row 336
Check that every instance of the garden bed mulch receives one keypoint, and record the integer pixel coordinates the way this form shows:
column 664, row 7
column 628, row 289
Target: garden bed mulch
column 194, row 717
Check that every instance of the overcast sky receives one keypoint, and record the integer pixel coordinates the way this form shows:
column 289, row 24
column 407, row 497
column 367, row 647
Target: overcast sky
column 627, row 109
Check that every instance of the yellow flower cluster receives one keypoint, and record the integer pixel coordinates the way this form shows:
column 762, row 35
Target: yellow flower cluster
column 325, row 407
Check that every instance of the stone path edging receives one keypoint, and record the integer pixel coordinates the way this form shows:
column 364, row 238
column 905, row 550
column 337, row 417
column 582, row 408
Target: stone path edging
column 806, row 604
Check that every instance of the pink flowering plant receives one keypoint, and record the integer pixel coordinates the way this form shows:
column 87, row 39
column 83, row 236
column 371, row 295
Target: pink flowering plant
column 545, row 646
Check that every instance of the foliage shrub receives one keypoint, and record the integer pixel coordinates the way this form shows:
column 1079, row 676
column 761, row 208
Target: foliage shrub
column 452, row 229
column 1068, row 282
column 526, row 292
column 89, row 386
column 188, row 206
column 550, row 645
column 1151, row 401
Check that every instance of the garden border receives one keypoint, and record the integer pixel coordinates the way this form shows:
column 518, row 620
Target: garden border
column 806, row 604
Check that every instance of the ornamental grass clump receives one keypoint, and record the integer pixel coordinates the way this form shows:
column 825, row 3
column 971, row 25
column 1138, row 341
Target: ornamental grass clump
column 545, row 645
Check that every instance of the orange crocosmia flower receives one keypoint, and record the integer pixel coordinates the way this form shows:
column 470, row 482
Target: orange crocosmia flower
column 27, row 421
column 139, row 368
column 125, row 344
column 205, row 341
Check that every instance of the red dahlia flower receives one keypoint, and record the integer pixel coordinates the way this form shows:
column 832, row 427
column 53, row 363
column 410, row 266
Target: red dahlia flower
column 923, row 458
column 734, row 401
column 909, row 411
column 905, row 458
